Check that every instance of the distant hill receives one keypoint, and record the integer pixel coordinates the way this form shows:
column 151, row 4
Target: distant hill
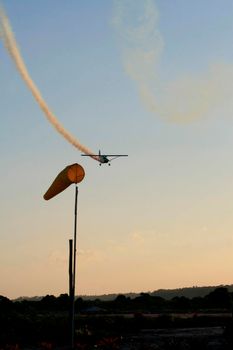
column 35, row 298
column 188, row 292
column 108, row 297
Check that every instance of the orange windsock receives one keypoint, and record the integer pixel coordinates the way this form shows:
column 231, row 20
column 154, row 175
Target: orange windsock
column 71, row 174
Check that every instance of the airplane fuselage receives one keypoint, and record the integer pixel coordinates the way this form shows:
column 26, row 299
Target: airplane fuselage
column 103, row 159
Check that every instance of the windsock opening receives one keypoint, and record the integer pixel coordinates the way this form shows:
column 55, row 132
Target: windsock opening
column 73, row 173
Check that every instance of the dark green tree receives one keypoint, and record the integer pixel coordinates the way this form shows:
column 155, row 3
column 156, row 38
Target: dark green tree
column 219, row 298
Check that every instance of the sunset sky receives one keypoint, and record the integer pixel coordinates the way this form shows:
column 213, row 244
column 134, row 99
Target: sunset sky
column 152, row 79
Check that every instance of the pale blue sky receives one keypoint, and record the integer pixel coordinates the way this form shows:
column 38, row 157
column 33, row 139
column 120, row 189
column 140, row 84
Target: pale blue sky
column 149, row 219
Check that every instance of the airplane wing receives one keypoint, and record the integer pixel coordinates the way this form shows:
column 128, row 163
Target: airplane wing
column 105, row 155
column 116, row 155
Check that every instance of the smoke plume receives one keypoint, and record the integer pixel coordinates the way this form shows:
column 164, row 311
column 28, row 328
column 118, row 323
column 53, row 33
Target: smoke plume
column 182, row 100
column 10, row 43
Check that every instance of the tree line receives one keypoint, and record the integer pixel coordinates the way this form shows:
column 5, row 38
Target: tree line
column 218, row 299
column 29, row 322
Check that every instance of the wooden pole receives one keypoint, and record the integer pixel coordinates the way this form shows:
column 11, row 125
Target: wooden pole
column 71, row 289
column 74, row 267
column 70, row 266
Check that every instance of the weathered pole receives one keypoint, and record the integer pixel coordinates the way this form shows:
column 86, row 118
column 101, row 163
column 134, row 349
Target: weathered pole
column 74, row 269
column 70, row 266
column 70, row 289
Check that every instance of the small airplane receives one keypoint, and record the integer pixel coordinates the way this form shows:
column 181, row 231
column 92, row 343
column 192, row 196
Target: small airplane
column 103, row 158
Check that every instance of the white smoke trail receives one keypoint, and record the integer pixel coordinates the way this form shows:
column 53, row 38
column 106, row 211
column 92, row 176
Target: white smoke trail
column 10, row 43
column 182, row 100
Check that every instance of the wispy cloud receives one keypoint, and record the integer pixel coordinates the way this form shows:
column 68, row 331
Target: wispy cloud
column 88, row 256
column 57, row 257
column 137, row 238
column 185, row 99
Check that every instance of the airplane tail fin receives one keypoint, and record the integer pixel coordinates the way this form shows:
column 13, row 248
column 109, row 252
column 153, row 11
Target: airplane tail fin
column 99, row 153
